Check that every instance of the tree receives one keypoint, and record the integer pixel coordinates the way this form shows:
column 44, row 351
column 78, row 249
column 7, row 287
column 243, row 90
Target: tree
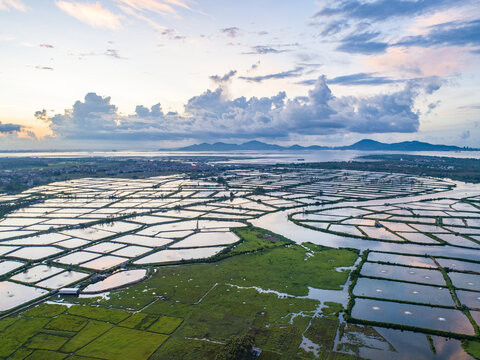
column 237, row 348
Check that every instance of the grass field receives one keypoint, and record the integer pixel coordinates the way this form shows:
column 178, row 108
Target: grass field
column 189, row 311
column 36, row 334
column 123, row 343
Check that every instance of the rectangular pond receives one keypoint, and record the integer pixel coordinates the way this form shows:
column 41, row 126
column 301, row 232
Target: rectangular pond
column 394, row 272
column 421, row 316
column 163, row 256
column 394, row 290
column 417, row 261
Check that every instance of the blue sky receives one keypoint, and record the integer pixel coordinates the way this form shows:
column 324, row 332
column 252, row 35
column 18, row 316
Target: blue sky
column 144, row 74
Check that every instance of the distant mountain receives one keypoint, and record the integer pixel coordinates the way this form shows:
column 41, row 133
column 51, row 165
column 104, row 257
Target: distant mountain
column 366, row 145
column 372, row 145
column 220, row 146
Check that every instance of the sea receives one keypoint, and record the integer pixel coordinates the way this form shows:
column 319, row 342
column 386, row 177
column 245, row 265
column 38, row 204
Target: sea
column 239, row 157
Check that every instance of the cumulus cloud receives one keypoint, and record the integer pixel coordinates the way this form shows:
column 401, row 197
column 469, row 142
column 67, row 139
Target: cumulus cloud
column 92, row 14
column 9, row 128
column 211, row 115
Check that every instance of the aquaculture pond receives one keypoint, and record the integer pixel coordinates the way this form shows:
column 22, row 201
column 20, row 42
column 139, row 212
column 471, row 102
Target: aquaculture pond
column 385, row 289
column 419, row 316
column 100, row 235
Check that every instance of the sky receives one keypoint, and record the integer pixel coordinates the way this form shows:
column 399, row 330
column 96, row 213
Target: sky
column 150, row 74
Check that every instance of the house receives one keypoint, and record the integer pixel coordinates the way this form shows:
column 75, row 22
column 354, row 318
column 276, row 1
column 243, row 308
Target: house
column 255, row 351
column 69, row 291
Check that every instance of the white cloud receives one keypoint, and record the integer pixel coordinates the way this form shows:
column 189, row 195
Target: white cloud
column 12, row 4
column 163, row 7
column 211, row 115
column 92, row 14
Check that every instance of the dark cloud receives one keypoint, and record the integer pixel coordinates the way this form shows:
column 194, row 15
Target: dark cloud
column 41, row 115
column 465, row 135
column 222, row 79
column 362, row 43
column 47, row 46
column 307, row 82
column 255, row 66
column 9, row 128
column 172, row 34
column 231, row 31
column 265, row 49
column 44, row 68
column 470, row 107
column 432, row 106
column 211, row 115
column 455, row 33
column 281, row 75
column 334, row 27
column 362, row 79
column 383, row 10
column 114, row 53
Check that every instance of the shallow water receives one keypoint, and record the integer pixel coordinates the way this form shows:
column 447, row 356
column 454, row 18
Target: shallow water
column 63, row 279
column 394, row 290
column 116, row 280
column 465, row 281
column 417, row 261
column 143, row 240
column 393, row 272
column 412, row 315
column 13, row 295
column 9, row 265
column 408, row 345
column 163, row 256
column 104, row 262
column 35, row 252
column 36, row 273
column 469, row 298
column 203, row 239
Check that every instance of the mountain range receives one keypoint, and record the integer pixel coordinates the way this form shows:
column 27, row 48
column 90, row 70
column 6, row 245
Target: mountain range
column 365, row 145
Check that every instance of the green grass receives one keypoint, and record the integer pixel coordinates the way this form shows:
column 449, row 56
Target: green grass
column 165, row 325
column 214, row 300
column 472, row 348
column 179, row 348
column 123, row 343
column 254, row 239
column 67, row 323
column 139, row 321
column 4, row 323
column 46, row 355
column 18, row 333
column 45, row 310
column 90, row 332
column 46, row 342
column 20, row 354
column 228, row 311
column 98, row 313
